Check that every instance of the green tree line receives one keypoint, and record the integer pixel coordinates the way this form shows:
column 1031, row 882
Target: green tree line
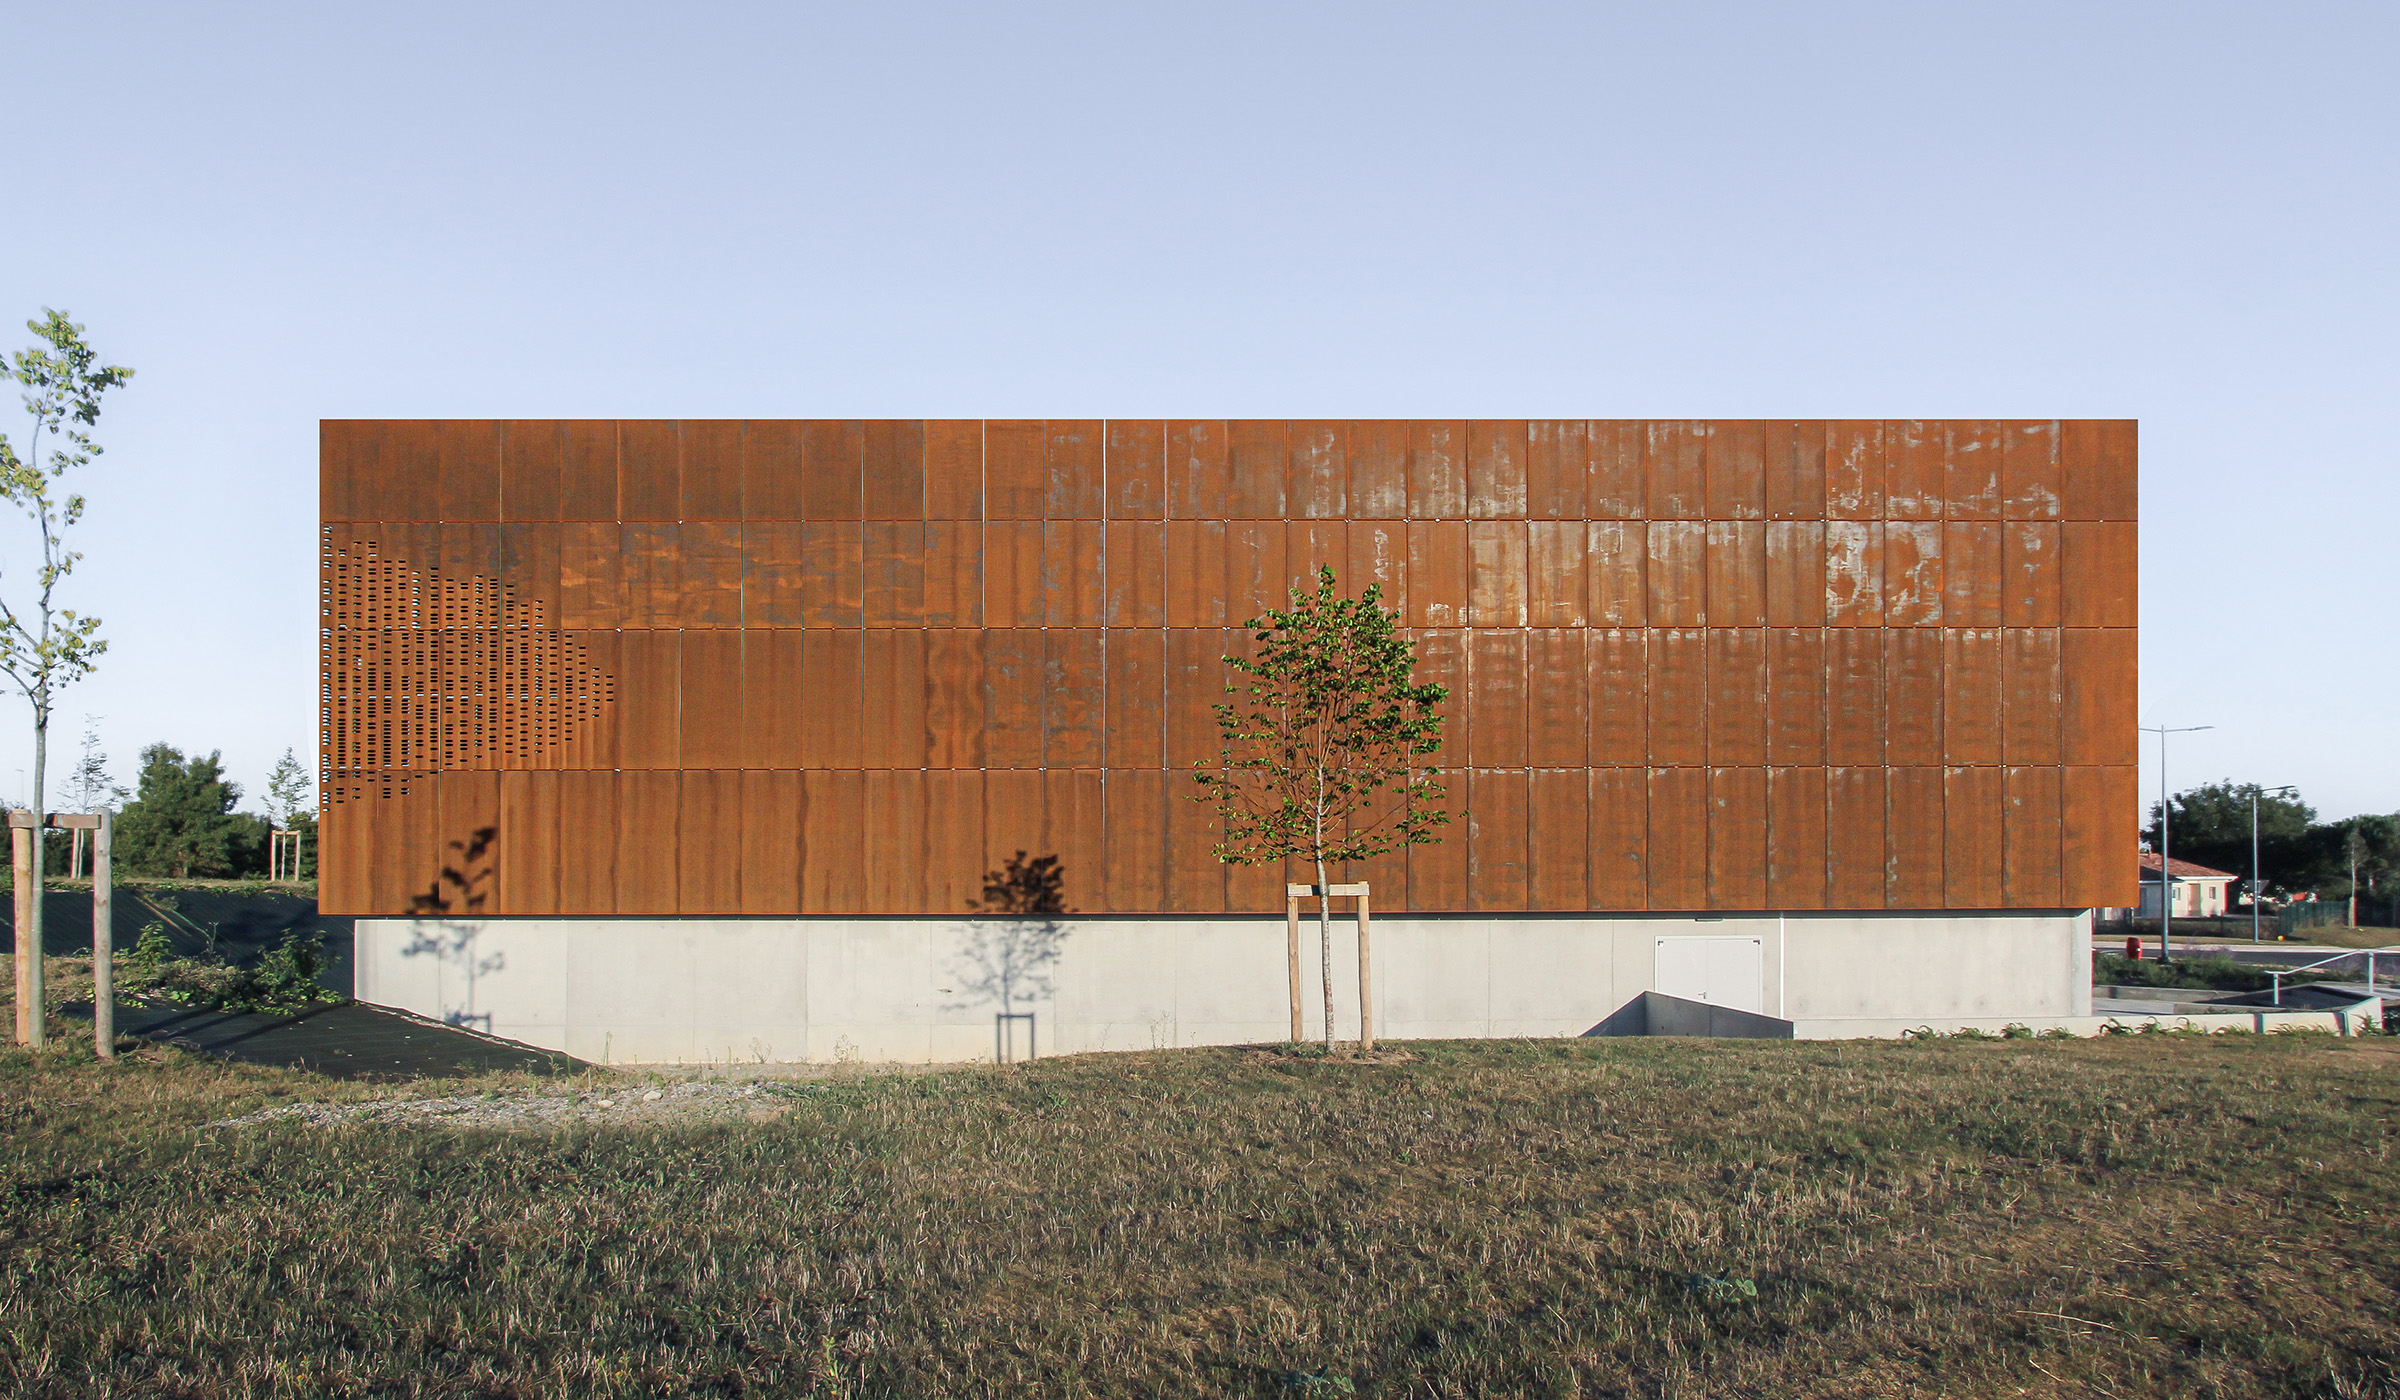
column 183, row 821
column 2297, row 853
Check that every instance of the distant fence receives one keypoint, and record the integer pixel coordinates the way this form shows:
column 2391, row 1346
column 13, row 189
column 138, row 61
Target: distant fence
column 2320, row 913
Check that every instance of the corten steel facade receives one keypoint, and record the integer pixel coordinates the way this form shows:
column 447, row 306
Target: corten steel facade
column 781, row 668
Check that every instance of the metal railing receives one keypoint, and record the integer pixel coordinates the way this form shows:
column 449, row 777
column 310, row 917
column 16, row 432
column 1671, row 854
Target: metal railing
column 2369, row 954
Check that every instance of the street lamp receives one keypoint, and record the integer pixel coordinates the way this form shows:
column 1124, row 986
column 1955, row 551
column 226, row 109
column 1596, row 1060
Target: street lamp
column 2257, row 883
column 2166, row 861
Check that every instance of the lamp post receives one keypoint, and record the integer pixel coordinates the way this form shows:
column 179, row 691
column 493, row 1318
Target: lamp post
column 2257, row 881
column 2166, row 860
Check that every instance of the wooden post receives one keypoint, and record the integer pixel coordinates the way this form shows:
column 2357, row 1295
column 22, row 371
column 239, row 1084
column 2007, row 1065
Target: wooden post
column 104, row 946
column 1366, row 979
column 1291, row 948
column 21, row 834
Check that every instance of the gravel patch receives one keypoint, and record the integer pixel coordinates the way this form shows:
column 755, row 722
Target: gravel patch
column 647, row 1105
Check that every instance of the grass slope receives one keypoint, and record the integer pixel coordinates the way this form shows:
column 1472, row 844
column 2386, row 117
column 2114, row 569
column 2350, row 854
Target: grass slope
column 2138, row 1216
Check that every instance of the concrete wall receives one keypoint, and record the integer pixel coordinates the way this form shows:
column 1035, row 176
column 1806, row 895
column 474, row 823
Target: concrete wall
column 926, row 990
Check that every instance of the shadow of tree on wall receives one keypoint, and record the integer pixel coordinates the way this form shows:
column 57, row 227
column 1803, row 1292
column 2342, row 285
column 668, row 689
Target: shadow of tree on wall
column 1004, row 961
column 464, row 886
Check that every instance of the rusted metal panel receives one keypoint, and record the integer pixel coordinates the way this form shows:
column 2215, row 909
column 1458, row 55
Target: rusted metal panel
column 2030, row 565
column 1676, row 853
column 1316, row 483
column 1737, row 838
column 1795, row 573
column 954, row 699
column 2030, row 837
column 396, row 472
column 1913, row 837
column 1255, row 578
column 1737, row 573
column 1972, row 691
column 772, row 686
column 1495, row 706
column 340, row 447
column 892, row 563
column 1971, row 574
column 1195, row 878
column 1855, row 820
column 588, row 470
column 771, row 471
column 711, row 581
column 953, row 469
column 1134, row 558
column 1012, row 816
column 1737, row 696
column 1074, row 466
column 1556, row 585
column 1854, row 708
column 1912, row 692
column 527, row 845
column 461, row 870
column 2029, row 480
column 1617, row 488
column 1136, row 468
column 954, row 865
column 1676, row 573
column 1916, row 469
column 1496, row 837
column 894, row 469
column 1619, row 704
column 1678, row 697
column 1307, row 544
column 1557, row 697
column 895, row 814
column 833, row 464
column 1016, row 470
column 1012, row 573
column 1256, row 450
column 1074, row 805
column 649, row 699
column 587, row 841
column 1617, row 573
column 1912, row 574
column 468, row 453
column 1136, row 699
column 650, row 557
column 2097, row 838
column 1437, row 873
column 1675, row 470
column 1136, row 839
column 1737, row 469
column 1437, row 470
column 708, row 843
column 1199, row 470
column 1437, row 573
column 708, row 454
column 1013, row 668
column 1971, row 487
column 1973, row 823
column 649, row 471
column 710, row 702
column 1496, row 573
column 1195, row 681
column 2099, row 573
column 1795, row 687
column 1796, row 857
column 1378, row 459
column 832, row 573
column 1854, row 573
column 2099, row 676
column 530, row 458
column 832, row 697
column 1556, row 838
column 648, row 845
column 1496, row 469
column 893, row 662
column 1619, row 837
column 1557, row 469
column 1378, row 558
column 772, row 574
column 2096, row 469
column 953, row 573
column 1795, row 452
column 833, row 841
column 1196, row 573
column 770, row 841
column 529, row 567
column 591, row 734
column 2032, row 696
column 1072, row 708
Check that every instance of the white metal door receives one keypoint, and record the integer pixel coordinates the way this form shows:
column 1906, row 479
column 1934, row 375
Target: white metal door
column 1718, row 971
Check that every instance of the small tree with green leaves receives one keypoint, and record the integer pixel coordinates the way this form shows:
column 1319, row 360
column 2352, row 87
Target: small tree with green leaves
column 43, row 646
column 1325, row 746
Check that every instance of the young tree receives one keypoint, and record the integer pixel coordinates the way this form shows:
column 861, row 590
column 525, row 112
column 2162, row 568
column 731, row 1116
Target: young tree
column 182, row 822
column 1327, row 718
column 43, row 646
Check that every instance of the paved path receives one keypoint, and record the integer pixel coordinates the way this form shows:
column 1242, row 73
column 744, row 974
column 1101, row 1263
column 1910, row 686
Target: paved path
column 348, row 1041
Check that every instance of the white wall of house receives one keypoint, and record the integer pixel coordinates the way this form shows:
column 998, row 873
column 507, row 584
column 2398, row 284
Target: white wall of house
column 2194, row 897
column 925, row 990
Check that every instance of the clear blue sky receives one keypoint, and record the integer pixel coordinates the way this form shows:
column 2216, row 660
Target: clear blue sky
column 2182, row 213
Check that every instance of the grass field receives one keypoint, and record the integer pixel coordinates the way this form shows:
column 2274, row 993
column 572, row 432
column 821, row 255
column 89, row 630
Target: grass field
column 2135, row 1216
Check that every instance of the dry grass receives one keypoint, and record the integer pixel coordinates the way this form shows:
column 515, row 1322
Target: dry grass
column 2141, row 1216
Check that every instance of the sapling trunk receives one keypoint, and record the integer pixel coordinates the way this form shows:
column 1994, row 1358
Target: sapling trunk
column 1325, row 948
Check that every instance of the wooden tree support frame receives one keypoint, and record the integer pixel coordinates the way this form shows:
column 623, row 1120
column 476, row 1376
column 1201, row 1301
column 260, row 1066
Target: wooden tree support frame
column 1292, row 895
column 283, row 856
column 31, row 1029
